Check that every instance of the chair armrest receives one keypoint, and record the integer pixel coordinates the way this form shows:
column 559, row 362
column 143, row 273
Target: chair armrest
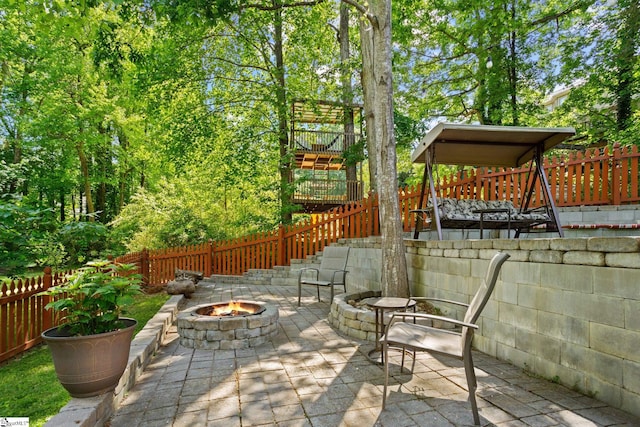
column 440, row 300
column 344, row 276
column 303, row 270
column 403, row 314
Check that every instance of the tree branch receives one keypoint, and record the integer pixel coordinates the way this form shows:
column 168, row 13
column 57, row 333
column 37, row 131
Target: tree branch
column 555, row 16
column 281, row 6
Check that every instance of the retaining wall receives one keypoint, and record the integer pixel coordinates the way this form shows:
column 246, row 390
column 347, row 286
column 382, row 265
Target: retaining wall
column 565, row 309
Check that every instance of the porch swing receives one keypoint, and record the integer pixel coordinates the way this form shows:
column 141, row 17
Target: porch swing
column 487, row 146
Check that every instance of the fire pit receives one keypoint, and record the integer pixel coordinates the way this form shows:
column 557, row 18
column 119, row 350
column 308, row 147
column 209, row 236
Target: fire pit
column 227, row 325
column 231, row 308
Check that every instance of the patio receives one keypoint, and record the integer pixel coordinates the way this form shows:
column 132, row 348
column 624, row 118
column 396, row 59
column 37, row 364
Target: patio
column 311, row 375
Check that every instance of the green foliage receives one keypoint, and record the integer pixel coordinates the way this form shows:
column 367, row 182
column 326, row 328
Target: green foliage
column 23, row 230
column 93, row 298
column 84, row 240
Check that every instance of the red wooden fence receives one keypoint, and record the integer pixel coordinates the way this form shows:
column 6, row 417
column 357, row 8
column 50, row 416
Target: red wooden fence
column 596, row 177
column 22, row 314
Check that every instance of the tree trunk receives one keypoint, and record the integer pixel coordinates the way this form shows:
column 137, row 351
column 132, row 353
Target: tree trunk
column 347, row 99
column 283, row 138
column 84, row 169
column 378, row 95
column 366, row 47
column 62, row 206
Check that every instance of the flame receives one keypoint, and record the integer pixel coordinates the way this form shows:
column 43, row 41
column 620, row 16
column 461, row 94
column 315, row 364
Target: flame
column 234, row 306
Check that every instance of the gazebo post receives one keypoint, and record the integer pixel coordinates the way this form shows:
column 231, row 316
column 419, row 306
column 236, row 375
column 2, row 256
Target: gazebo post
column 432, row 189
column 537, row 157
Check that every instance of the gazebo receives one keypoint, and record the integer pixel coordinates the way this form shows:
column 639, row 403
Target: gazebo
column 490, row 146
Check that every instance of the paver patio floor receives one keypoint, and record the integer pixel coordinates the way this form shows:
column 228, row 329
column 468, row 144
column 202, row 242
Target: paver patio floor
column 311, row 375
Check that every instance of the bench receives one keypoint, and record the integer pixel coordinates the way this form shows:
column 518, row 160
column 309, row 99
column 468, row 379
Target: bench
column 481, row 214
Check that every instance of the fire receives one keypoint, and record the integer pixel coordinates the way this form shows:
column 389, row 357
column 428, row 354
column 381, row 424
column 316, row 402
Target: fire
column 231, row 308
column 234, row 306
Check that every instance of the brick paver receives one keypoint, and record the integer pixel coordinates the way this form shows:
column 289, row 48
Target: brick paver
column 311, row 375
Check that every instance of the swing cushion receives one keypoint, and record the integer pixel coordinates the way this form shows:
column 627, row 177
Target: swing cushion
column 470, row 209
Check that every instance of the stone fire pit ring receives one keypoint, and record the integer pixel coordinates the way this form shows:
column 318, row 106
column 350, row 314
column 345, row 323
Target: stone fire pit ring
column 227, row 332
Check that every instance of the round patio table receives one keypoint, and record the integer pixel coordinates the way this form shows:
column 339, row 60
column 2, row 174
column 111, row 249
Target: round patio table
column 380, row 305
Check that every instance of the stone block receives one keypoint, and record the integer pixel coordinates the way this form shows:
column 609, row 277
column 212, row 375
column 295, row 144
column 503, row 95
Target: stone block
column 632, row 314
column 220, row 335
column 584, row 258
column 625, row 260
column 631, row 376
column 444, row 244
column 615, row 341
column 604, row 390
column 546, row 256
column 506, row 293
column 233, row 323
column 353, row 324
column 592, row 363
column 594, row 308
column 535, row 244
column 565, row 328
column 505, row 334
column 518, row 256
column 540, row 298
column 522, row 272
column 613, row 244
column 567, row 277
column 461, row 244
column 481, row 244
column 351, row 313
column 543, row 346
column 469, row 253
column 451, row 253
column 568, row 244
column 617, row 282
column 506, row 244
column 518, row 316
column 630, row 402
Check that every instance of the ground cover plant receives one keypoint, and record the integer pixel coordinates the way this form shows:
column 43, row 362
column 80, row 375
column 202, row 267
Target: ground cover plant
column 29, row 387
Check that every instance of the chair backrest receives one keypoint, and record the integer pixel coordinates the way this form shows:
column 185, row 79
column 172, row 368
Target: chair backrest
column 334, row 258
column 483, row 293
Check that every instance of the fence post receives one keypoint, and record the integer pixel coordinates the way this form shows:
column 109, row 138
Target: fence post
column 616, row 186
column 47, row 315
column 144, row 267
column 209, row 263
column 281, row 247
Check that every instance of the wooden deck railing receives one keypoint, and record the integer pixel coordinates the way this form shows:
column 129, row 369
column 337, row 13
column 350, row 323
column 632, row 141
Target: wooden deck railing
column 596, row 177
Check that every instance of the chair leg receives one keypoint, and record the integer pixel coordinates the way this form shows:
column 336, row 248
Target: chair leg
column 299, row 292
column 472, row 385
column 385, row 347
column 331, row 300
column 318, row 290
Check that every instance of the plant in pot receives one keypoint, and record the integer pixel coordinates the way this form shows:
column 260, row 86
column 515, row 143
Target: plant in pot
column 90, row 349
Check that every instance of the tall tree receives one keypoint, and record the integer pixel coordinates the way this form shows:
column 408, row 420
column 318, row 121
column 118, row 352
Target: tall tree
column 377, row 83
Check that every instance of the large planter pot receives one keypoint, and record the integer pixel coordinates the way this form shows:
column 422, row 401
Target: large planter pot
column 93, row 364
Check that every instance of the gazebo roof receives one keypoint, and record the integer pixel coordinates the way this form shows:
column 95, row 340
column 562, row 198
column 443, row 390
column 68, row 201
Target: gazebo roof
column 485, row 145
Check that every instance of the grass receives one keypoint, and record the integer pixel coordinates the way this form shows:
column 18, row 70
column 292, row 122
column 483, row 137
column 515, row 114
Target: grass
column 29, row 386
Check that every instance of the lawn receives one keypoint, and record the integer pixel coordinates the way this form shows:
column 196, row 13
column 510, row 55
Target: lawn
column 29, row 387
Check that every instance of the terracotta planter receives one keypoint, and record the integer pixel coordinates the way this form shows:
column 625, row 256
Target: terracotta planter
column 93, row 364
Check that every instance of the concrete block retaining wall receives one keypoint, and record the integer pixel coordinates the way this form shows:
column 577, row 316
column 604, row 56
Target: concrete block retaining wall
column 564, row 309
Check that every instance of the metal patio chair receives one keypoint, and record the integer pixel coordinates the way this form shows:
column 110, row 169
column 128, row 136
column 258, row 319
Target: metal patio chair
column 332, row 271
column 403, row 332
